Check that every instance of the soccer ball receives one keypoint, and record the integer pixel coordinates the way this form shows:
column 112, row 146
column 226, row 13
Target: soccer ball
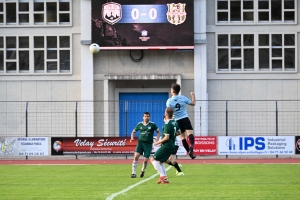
column 94, row 48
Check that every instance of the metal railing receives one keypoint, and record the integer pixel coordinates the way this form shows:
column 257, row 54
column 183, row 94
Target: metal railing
column 112, row 118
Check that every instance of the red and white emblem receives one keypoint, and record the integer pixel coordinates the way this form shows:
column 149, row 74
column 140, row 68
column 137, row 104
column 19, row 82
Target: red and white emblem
column 58, row 146
column 176, row 13
column 111, row 12
column 298, row 145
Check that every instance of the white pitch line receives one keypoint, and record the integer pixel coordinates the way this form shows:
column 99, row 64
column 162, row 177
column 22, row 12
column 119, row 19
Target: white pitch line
column 134, row 185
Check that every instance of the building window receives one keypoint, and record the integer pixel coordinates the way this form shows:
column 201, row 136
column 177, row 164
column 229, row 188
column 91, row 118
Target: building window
column 256, row 52
column 235, row 52
column 235, row 11
column 1, row 55
column 277, row 52
column 23, row 13
column 268, row 11
column 35, row 12
column 276, row 11
column 49, row 54
column 16, row 51
column 1, row 13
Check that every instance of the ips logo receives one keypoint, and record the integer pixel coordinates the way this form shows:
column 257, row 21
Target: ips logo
column 243, row 143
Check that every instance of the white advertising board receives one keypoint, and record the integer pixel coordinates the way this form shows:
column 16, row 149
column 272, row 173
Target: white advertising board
column 24, row 146
column 256, row 145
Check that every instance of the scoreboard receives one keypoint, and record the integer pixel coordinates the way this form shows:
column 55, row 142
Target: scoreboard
column 143, row 24
column 144, row 14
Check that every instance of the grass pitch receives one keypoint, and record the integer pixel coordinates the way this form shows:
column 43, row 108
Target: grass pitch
column 208, row 181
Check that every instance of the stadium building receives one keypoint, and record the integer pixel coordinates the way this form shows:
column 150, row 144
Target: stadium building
column 244, row 57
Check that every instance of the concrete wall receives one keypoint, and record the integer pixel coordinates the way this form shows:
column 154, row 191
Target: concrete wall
column 248, row 117
column 254, row 89
column 15, row 88
column 119, row 63
column 60, row 90
column 43, row 87
column 220, row 86
column 248, row 86
column 154, row 62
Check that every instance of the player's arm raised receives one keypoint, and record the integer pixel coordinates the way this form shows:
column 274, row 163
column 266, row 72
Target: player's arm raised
column 193, row 103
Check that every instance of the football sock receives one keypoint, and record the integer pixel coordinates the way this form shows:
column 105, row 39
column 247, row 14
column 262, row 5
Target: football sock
column 175, row 164
column 185, row 145
column 144, row 166
column 157, row 167
column 164, row 173
column 134, row 166
column 192, row 140
column 169, row 162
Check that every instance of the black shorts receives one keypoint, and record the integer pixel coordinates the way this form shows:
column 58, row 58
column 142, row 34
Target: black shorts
column 184, row 124
column 175, row 150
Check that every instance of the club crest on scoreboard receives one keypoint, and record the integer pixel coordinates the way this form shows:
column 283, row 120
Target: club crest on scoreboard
column 111, row 12
column 176, row 13
column 144, row 35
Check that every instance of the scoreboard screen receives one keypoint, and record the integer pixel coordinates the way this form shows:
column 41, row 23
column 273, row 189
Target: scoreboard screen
column 143, row 24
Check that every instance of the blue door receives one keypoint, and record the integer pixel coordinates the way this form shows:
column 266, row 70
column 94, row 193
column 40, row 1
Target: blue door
column 133, row 105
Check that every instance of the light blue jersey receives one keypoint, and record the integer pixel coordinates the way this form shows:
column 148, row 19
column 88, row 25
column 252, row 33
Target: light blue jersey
column 178, row 104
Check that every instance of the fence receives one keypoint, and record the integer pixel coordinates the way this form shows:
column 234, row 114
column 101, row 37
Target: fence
column 253, row 117
column 118, row 118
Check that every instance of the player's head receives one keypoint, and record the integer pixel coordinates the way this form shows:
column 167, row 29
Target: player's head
column 146, row 117
column 169, row 113
column 164, row 118
column 175, row 88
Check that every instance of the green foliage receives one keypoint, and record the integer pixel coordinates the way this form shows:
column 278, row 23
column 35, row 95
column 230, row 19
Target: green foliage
column 208, row 181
